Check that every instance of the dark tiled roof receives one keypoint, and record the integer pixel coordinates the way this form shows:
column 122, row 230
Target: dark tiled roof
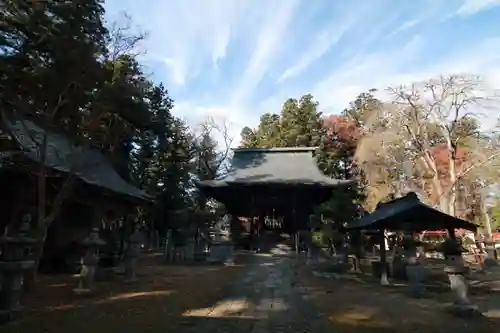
column 274, row 166
column 90, row 165
column 409, row 213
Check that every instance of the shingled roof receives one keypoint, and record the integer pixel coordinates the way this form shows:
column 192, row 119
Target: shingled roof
column 409, row 213
column 90, row 165
column 274, row 166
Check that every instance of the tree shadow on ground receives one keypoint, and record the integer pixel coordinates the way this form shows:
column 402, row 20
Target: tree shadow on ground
column 194, row 299
column 157, row 302
column 361, row 304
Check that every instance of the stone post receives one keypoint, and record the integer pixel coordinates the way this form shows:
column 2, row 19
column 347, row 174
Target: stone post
column 167, row 253
column 297, row 242
column 90, row 260
column 132, row 254
column 415, row 273
column 14, row 262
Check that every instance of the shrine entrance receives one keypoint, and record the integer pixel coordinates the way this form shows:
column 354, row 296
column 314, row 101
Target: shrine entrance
column 275, row 188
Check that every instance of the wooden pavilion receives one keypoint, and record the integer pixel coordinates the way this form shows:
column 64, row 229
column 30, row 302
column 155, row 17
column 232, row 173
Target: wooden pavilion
column 283, row 182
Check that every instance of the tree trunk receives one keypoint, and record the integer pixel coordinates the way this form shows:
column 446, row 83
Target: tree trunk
column 44, row 220
column 430, row 165
column 31, row 275
column 452, row 178
column 486, row 220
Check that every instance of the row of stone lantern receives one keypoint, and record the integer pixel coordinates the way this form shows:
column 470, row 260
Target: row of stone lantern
column 90, row 260
column 16, row 258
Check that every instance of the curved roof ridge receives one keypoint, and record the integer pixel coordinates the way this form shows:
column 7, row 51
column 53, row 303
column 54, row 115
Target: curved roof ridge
column 275, row 166
column 274, row 150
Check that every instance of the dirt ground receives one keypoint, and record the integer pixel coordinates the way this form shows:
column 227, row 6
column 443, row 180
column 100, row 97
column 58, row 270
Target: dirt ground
column 358, row 303
column 155, row 303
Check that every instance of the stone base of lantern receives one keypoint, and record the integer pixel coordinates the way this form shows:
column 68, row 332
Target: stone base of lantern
column 11, row 315
column 83, row 291
column 462, row 306
column 415, row 275
column 464, row 310
column 221, row 253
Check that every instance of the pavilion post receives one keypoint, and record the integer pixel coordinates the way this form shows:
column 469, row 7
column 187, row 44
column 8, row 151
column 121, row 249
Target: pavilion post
column 383, row 259
column 252, row 228
column 451, row 233
column 294, row 226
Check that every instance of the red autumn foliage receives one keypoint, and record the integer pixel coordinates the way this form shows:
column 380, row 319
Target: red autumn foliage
column 441, row 156
column 342, row 131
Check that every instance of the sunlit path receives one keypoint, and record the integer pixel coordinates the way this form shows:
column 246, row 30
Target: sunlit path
column 265, row 299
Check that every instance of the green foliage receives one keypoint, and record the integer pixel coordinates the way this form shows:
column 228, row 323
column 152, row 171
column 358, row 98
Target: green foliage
column 63, row 68
column 299, row 124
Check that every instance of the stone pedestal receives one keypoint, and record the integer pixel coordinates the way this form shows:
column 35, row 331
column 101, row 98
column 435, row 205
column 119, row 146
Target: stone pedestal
column 90, row 260
column 458, row 283
column 15, row 260
column 490, row 250
column 132, row 254
column 189, row 249
column 221, row 252
column 415, row 274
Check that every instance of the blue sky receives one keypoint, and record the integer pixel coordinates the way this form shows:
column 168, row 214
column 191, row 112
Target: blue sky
column 236, row 59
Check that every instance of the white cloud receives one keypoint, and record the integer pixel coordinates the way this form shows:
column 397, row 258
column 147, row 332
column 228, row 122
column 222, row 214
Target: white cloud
column 363, row 72
column 270, row 39
column 224, row 116
column 470, row 7
column 380, row 72
column 236, row 59
column 323, row 41
column 182, row 33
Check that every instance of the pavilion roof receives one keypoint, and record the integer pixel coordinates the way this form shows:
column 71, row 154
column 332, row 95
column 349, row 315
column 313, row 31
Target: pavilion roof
column 90, row 165
column 274, row 166
column 409, row 213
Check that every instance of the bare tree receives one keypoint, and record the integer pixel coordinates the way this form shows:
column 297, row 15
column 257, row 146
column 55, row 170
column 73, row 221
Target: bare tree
column 426, row 136
column 214, row 143
column 124, row 39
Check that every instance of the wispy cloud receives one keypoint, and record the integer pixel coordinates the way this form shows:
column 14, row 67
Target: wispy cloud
column 270, row 39
column 183, row 33
column 238, row 59
column 324, row 40
column 470, row 7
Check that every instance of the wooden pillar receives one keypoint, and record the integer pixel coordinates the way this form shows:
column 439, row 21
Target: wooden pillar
column 252, row 227
column 294, row 227
column 383, row 259
column 451, row 233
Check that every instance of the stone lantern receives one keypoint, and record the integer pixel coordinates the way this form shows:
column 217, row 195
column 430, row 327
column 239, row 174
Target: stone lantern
column 132, row 254
column 90, row 260
column 15, row 260
column 457, row 273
